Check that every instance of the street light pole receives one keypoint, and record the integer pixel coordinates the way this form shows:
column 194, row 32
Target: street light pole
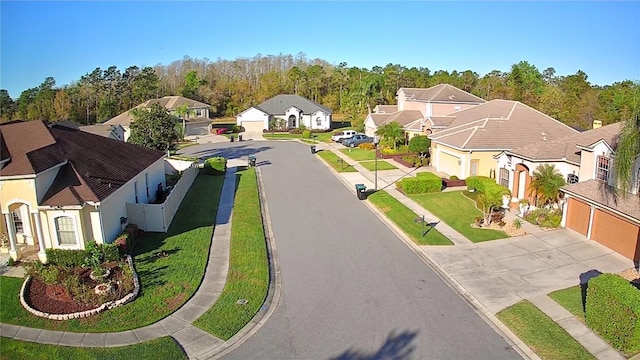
column 375, row 168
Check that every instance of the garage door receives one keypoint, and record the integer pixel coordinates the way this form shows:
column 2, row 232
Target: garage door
column 578, row 216
column 253, row 126
column 615, row 233
column 448, row 164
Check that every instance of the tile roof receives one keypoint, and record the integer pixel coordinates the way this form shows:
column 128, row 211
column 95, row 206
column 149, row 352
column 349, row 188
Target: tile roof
column 385, row 108
column 98, row 129
column 565, row 148
column 401, row 117
column 441, row 93
column 441, row 120
column 500, row 125
column 94, row 166
column 168, row 102
column 279, row 104
column 605, row 195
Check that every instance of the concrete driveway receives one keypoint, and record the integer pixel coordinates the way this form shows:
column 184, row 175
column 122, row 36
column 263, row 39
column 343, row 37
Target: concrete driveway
column 500, row 273
column 351, row 289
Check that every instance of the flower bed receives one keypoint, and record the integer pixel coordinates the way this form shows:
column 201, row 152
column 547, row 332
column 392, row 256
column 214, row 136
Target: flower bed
column 57, row 301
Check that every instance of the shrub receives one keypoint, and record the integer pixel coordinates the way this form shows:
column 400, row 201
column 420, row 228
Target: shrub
column 545, row 218
column 237, row 129
column 110, row 252
column 425, row 182
column 517, row 223
column 306, row 134
column 613, row 310
column 367, row 146
column 415, row 160
column 295, row 131
column 419, row 144
column 68, row 258
column 388, row 151
column 123, row 242
column 453, row 177
column 215, row 165
column 50, row 274
column 477, row 182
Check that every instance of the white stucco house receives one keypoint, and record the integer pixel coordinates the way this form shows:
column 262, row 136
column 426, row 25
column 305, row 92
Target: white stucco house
column 294, row 110
column 62, row 187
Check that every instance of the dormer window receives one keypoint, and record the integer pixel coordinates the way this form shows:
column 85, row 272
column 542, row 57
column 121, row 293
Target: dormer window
column 602, row 168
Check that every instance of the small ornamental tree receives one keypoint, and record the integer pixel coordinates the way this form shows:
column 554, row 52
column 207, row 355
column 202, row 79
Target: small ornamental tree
column 153, row 127
column 419, row 144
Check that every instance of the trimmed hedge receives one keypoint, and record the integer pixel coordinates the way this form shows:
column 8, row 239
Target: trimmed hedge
column 306, row 134
column 215, row 165
column 63, row 257
column 478, row 182
column 424, row 182
column 613, row 310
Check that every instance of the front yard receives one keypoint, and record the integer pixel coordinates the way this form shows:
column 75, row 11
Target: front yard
column 382, row 165
column 458, row 212
column 167, row 281
column 358, row 154
column 335, row 161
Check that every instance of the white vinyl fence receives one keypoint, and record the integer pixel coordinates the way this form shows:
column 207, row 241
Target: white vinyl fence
column 158, row 217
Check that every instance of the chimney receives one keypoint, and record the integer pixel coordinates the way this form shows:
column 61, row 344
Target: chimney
column 597, row 124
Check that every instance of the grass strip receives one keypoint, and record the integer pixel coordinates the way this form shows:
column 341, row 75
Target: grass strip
column 167, row 282
column 458, row 212
column 543, row 335
column 404, row 218
column 161, row 348
column 570, row 299
column 248, row 276
column 358, row 154
column 332, row 160
column 382, row 165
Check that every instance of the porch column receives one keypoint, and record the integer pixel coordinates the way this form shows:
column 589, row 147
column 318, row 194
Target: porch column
column 590, row 222
column 565, row 206
column 13, row 249
column 42, row 256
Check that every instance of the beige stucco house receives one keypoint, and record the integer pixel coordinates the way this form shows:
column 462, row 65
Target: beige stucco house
column 62, row 187
column 470, row 139
column 417, row 106
column 195, row 121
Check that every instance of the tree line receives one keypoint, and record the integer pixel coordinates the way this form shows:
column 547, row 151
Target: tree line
column 231, row 86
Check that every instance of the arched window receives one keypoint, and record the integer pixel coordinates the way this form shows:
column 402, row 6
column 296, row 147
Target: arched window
column 318, row 121
column 66, row 230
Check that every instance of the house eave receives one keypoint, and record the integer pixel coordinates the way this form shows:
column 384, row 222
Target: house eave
column 598, row 205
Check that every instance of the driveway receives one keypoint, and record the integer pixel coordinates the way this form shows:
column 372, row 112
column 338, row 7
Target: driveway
column 350, row 288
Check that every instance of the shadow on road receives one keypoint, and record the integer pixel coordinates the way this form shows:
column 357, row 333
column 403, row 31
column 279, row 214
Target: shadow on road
column 233, row 152
column 396, row 347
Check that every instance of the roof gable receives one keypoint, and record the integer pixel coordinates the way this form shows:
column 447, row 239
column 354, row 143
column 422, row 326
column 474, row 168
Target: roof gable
column 30, row 147
column 279, row 104
column 170, row 103
column 443, row 93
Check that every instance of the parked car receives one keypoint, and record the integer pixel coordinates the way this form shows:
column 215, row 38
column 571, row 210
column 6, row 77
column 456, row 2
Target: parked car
column 356, row 140
column 341, row 135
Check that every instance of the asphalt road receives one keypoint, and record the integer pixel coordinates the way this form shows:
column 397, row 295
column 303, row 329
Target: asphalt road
column 350, row 288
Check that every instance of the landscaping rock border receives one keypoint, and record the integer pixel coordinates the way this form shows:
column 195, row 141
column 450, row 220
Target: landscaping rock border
column 83, row 314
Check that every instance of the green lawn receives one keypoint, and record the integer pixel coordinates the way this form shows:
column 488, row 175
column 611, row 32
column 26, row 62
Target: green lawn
column 248, row 265
column 167, row 282
column 404, row 218
column 543, row 335
column 332, row 159
column 458, row 212
column 382, row 165
column 358, row 154
column 281, row 136
column 570, row 299
column 162, row 348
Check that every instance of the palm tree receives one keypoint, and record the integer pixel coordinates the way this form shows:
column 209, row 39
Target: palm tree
column 546, row 183
column 391, row 133
column 627, row 149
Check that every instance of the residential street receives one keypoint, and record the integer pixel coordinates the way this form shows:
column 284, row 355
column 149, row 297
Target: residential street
column 350, row 288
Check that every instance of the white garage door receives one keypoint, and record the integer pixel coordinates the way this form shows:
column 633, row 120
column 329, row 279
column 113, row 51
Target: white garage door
column 448, row 164
column 253, row 126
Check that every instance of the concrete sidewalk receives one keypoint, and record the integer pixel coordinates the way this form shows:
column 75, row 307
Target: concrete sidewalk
column 193, row 340
column 499, row 273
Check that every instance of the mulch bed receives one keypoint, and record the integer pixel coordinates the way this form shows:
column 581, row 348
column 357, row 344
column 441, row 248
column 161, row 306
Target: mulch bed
column 56, row 299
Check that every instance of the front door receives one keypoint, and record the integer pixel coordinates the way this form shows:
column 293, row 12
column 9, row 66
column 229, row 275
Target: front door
column 292, row 121
column 522, row 177
column 474, row 167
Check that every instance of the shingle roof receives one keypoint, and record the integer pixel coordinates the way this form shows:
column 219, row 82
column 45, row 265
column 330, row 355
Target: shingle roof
column 278, row 105
column 31, row 148
column 565, row 148
column 500, row 125
column 98, row 129
column 94, row 166
column 441, row 93
column 603, row 194
column 168, row 102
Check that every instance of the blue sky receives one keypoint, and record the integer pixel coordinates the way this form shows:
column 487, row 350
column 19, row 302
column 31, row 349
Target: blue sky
column 69, row 39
